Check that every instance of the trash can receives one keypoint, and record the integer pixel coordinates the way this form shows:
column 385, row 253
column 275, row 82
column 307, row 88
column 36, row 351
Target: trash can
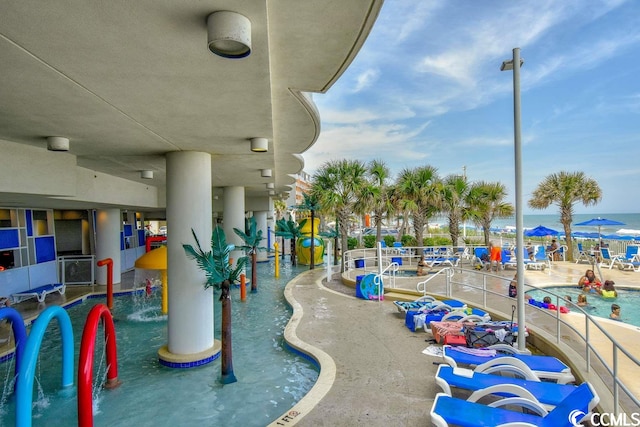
column 397, row 259
column 358, row 290
column 359, row 263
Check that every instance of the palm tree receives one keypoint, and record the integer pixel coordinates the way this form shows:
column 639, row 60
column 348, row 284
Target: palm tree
column 311, row 203
column 219, row 273
column 565, row 189
column 486, row 203
column 378, row 196
column 455, row 189
column 339, row 185
column 288, row 229
column 419, row 190
column 251, row 239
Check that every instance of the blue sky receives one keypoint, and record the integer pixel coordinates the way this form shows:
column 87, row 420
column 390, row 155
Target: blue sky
column 426, row 88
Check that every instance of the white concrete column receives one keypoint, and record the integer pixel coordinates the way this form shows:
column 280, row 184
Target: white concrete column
column 261, row 224
column 108, row 243
column 190, row 320
column 233, row 217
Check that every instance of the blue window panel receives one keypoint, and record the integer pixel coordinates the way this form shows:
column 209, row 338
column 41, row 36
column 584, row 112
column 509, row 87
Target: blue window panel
column 128, row 230
column 45, row 249
column 141, row 238
column 29, row 222
column 9, row 238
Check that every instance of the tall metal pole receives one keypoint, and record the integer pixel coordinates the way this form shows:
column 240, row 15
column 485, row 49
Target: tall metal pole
column 515, row 65
column 519, row 219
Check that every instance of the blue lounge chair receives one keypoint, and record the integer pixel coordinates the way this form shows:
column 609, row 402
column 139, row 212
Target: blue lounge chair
column 40, row 292
column 548, row 393
column 609, row 260
column 447, row 410
column 630, row 259
column 545, row 367
column 582, row 255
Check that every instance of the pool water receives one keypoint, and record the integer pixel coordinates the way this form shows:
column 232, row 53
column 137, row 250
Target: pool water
column 628, row 300
column 270, row 378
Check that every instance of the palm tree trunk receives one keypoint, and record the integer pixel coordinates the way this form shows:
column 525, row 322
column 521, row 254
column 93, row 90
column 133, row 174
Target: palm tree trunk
column 293, row 252
column 312, row 263
column 226, row 355
column 254, row 271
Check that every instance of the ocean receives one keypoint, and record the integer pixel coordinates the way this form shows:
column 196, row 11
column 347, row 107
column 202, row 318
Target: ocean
column 631, row 222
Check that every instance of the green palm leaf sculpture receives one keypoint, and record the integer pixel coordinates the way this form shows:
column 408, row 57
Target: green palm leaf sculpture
column 219, row 274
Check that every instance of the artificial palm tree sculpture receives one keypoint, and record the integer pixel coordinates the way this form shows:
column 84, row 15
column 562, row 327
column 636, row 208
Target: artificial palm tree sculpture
column 288, row 229
column 252, row 239
column 219, row 273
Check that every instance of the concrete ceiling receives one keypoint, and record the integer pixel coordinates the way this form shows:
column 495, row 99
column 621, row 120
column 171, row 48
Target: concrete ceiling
column 128, row 81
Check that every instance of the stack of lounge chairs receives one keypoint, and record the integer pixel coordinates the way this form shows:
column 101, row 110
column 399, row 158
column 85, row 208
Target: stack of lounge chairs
column 535, row 392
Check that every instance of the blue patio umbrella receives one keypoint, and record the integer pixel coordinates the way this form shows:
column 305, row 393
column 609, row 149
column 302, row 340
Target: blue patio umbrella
column 599, row 222
column 541, row 231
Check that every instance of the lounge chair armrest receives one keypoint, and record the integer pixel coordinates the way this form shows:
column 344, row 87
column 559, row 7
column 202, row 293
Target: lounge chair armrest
column 534, row 406
column 506, row 348
column 512, row 389
column 527, row 374
column 507, row 364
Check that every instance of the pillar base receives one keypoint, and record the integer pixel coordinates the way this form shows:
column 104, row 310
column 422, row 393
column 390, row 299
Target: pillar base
column 183, row 361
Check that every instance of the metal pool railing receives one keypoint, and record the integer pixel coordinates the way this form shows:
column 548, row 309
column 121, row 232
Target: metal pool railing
column 555, row 324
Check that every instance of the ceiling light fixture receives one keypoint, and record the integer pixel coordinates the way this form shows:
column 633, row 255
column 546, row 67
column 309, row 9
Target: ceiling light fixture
column 265, row 173
column 259, row 145
column 229, row 34
column 146, row 174
column 272, row 193
column 57, row 143
column 270, row 186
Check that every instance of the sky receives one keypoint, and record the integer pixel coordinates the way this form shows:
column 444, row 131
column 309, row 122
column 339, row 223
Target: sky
column 426, row 89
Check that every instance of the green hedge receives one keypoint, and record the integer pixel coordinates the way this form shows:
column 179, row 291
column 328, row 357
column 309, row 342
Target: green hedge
column 408, row 240
column 369, row 241
column 436, row 241
column 352, row 243
column 389, row 241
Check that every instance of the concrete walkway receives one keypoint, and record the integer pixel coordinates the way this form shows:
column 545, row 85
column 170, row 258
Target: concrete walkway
column 380, row 377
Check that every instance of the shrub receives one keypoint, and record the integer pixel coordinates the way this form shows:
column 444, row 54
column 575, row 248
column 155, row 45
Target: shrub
column 352, row 243
column 389, row 241
column 408, row 240
column 436, row 241
column 369, row 241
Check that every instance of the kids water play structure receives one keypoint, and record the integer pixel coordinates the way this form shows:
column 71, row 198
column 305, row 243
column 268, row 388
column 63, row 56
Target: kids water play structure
column 303, row 245
column 27, row 353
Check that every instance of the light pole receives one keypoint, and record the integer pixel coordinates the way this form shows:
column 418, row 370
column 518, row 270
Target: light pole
column 507, row 66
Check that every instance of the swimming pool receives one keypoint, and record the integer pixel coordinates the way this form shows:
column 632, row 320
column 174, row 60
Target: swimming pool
column 628, row 300
column 270, row 379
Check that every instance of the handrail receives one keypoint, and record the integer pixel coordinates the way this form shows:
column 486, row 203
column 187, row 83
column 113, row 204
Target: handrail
column 583, row 344
column 421, row 287
column 590, row 321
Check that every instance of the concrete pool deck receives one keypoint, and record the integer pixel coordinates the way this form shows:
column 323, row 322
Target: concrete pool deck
column 373, row 369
